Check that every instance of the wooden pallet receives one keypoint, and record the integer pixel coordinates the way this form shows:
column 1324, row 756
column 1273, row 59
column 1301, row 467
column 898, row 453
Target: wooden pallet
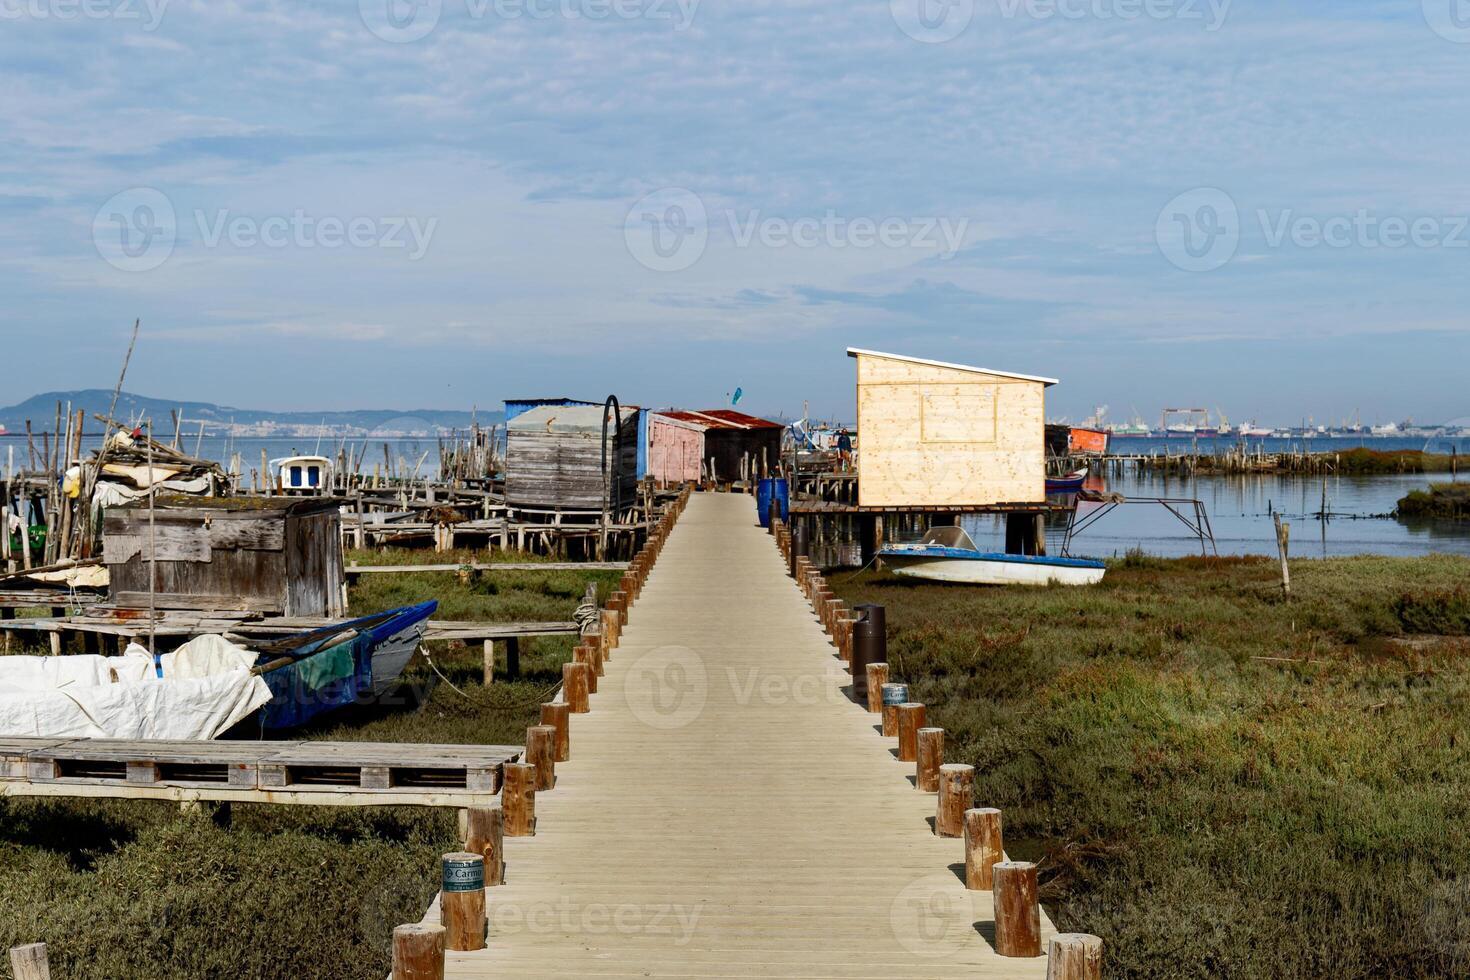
column 338, row 773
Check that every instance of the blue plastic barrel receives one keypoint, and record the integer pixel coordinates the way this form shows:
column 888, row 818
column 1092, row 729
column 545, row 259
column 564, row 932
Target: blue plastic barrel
column 763, row 492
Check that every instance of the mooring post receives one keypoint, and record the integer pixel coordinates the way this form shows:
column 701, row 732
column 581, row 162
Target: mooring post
column 1017, row 914
column 583, row 655
column 1074, row 956
column 29, row 962
column 518, row 799
column 541, row 753
column 877, row 679
column 558, row 715
column 485, row 836
column 983, row 848
column 488, row 677
column 462, row 901
column 574, row 687
column 911, row 718
column 418, row 952
column 930, row 758
column 956, row 793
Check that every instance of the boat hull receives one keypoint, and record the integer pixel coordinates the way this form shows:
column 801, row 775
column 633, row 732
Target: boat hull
column 995, row 569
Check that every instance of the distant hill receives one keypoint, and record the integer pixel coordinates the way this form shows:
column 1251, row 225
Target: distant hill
column 41, row 410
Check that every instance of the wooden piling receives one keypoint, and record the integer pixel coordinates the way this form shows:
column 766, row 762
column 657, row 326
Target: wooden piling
column 1074, row 956
column 1017, row 914
column 485, row 836
column 418, row 952
column 583, row 656
column 984, row 848
column 518, row 799
column 462, row 901
column 30, row 962
column 488, row 677
column 911, row 717
column 574, row 688
column 877, row 677
column 541, row 753
column 956, row 793
column 558, row 715
column 929, row 758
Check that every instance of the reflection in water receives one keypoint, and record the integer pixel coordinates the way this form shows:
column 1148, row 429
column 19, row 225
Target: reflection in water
column 1240, row 509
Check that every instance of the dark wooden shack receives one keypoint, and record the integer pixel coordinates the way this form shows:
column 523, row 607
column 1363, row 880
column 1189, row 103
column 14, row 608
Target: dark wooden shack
column 554, row 459
column 277, row 556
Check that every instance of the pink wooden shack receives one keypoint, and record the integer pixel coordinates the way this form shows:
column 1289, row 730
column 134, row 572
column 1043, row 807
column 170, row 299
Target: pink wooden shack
column 685, row 447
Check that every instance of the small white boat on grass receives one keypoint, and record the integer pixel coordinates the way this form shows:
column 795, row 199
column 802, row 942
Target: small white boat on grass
column 946, row 554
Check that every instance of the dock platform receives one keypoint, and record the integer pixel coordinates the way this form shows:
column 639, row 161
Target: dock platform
column 727, row 810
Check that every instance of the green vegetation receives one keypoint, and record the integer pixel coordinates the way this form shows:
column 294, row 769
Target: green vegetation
column 1450, row 500
column 1372, row 462
column 136, row 889
column 1218, row 781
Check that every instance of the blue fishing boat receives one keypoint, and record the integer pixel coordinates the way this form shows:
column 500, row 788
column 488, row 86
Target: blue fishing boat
column 352, row 662
column 1070, row 483
column 946, row 554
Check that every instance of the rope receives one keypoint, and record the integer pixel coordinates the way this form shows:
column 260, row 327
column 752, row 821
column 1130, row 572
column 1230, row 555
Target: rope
column 537, row 700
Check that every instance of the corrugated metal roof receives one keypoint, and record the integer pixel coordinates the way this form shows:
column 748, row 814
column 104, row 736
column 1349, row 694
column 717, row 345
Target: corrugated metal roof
column 565, row 418
column 721, row 418
column 859, row 352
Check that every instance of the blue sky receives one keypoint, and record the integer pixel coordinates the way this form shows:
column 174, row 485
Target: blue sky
column 448, row 202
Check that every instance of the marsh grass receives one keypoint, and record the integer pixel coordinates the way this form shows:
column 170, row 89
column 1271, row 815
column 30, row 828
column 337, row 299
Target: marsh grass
column 1216, row 780
column 1441, row 500
column 140, row 890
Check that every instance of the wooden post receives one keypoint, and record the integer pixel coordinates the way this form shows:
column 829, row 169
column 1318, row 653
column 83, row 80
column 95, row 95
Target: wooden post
column 541, row 753
column 583, row 656
column 418, row 952
column 518, row 799
column 462, row 901
column 489, row 676
column 558, row 715
column 485, row 836
column 574, row 688
column 911, row 717
column 877, row 677
column 956, row 793
column 1017, row 914
column 1074, row 956
column 513, row 657
column 30, row 962
column 928, row 760
column 1283, row 540
column 983, row 848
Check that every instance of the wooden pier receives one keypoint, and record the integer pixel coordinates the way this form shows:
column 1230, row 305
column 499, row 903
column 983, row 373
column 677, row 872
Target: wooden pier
column 726, row 809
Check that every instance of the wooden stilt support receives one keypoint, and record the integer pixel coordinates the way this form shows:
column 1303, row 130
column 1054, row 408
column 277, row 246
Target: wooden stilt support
column 574, row 688
column 518, row 799
column 956, row 794
column 911, row 718
column 418, row 952
column 489, row 667
column 541, row 753
column 930, row 758
column 983, row 848
column 485, row 836
column 1017, row 914
column 558, row 715
column 1074, row 956
column 462, row 901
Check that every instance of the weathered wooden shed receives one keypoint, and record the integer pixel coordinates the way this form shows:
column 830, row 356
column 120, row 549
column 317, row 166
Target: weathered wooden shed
column 276, row 555
column 689, row 446
column 932, row 434
column 554, row 458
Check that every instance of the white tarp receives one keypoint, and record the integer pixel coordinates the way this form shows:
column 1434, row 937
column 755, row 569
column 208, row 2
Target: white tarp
column 206, row 687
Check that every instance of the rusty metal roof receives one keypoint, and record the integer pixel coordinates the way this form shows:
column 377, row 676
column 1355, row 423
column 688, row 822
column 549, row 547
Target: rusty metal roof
column 721, row 418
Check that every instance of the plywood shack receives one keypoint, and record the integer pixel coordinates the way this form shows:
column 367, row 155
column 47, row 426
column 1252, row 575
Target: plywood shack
column 932, row 434
column 554, row 458
column 276, row 556
column 721, row 445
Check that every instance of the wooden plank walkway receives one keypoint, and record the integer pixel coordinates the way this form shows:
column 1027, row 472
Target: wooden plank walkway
column 727, row 811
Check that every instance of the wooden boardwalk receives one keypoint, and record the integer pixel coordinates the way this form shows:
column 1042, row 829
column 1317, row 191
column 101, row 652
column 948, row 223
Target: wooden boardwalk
column 727, row 811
